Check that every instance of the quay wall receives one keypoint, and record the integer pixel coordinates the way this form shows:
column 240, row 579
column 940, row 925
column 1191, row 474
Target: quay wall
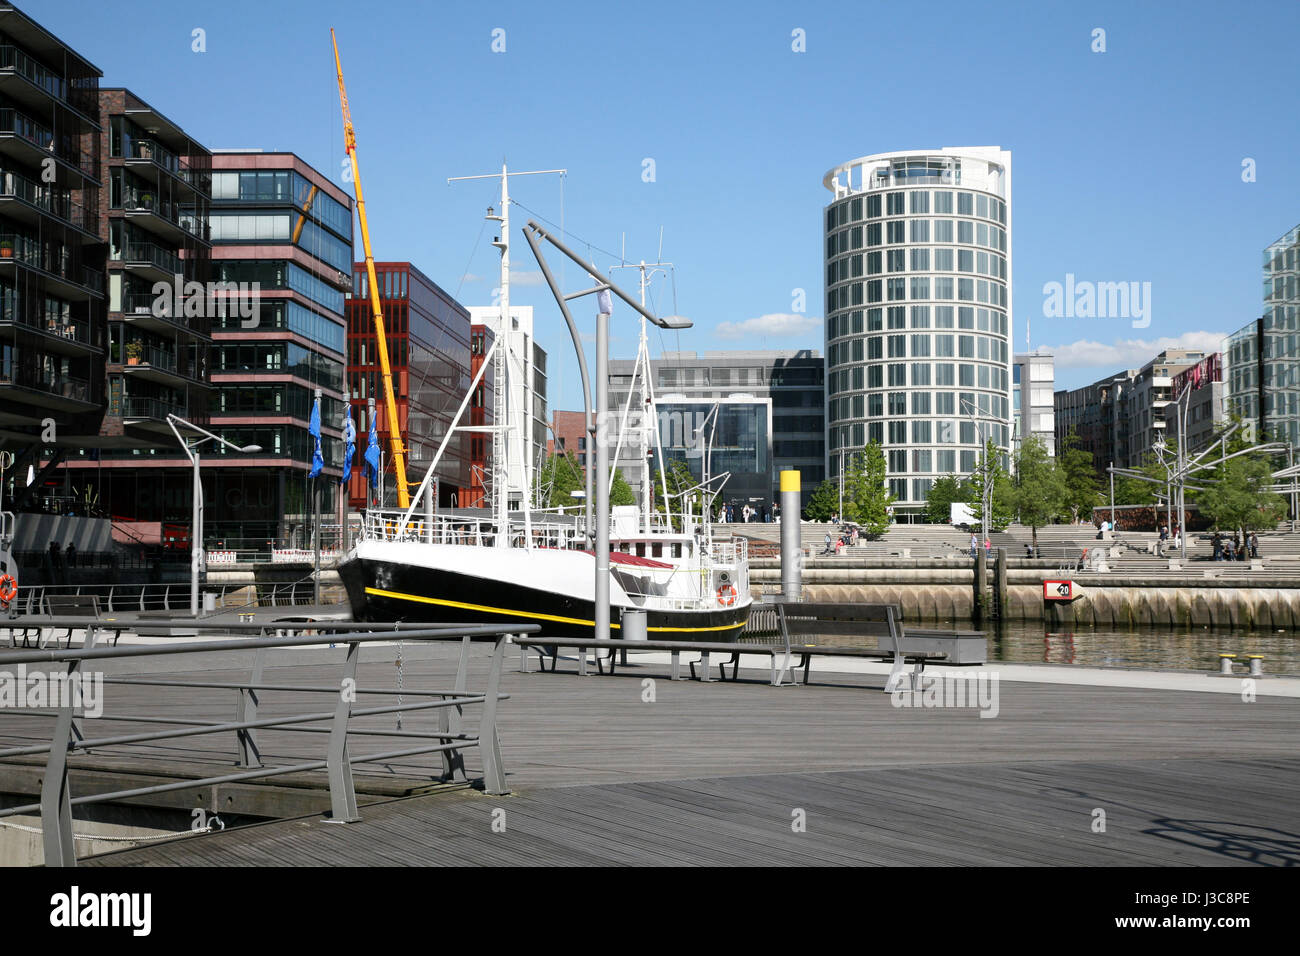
column 933, row 593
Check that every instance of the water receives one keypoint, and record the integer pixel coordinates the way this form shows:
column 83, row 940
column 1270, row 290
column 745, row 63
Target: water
column 1158, row 648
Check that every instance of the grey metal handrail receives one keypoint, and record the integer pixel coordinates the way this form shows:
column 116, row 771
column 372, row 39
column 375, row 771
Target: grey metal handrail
column 56, row 802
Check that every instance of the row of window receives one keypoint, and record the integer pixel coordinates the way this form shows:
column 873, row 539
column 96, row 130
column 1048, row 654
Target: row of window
column 896, row 317
column 282, row 185
column 281, row 227
column 284, row 357
column 276, row 399
column 923, row 374
column 916, row 202
column 293, row 316
column 916, row 260
column 876, row 347
column 878, row 404
column 279, row 274
column 850, row 437
column 917, row 232
column 921, row 288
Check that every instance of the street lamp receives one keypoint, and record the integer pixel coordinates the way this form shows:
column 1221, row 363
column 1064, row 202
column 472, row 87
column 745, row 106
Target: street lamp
column 986, row 492
column 196, row 522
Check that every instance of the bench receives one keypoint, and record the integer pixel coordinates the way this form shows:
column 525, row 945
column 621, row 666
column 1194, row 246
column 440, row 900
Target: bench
column 550, row 647
column 917, row 646
column 63, row 606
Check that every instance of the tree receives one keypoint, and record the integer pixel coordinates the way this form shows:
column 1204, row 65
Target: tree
column 679, row 479
column 557, row 478
column 1040, row 491
column 823, row 502
column 943, row 494
column 1080, row 475
column 866, row 497
column 989, row 469
column 1238, row 493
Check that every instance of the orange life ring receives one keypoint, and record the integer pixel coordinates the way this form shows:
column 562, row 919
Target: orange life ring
column 8, row 589
column 726, row 595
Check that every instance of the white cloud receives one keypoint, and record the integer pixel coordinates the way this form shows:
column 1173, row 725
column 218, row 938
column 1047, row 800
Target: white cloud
column 471, row 277
column 773, row 325
column 524, row 277
column 1130, row 353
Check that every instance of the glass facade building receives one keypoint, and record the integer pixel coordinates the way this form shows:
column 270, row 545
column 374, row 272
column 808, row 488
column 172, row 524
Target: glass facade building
column 429, row 342
column 918, row 313
column 1263, row 357
column 738, row 441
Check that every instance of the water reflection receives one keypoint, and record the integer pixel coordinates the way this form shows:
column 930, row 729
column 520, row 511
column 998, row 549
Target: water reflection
column 1143, row 647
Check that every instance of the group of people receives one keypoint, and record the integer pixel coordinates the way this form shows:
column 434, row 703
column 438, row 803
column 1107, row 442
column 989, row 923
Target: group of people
column 727, row 514
column 1165, row 538
column 975, row 546
column 847, row 538
column 1228, row 549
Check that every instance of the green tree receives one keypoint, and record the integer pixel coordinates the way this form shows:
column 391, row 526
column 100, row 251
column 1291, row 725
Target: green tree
column 990, row 470
column 620, row 492
column 1238, row 494
column 823, row 502
column 1039, row 492
column 866, row 497
column 943, row 494
column 1080, row 475
column 679, row 479
column 558, row 477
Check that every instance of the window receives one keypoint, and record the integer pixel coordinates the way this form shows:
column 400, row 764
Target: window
column 921, row 460
column 920, row 346
column 920, row 287
column 897, row 317
column 921, row 406
column 920, row 260
column 965, row 204
column 873, row 320
column 895, row 233
column 898, row 461
column 873, row 233
column 944, row 403
column 943, row 230
column 897, row 260
column 897, row 346
column 894, row 204
column 943, row 260
column 921, row 433
column 898, row 403
column 943, row 316
column 897, row 290
column 920, row 230
column 897, row 375
column 943, row 346
column 898, row 433
column 943, row 202
column 873, row 206
column 919, row 202
column 965, row 232
column 920, row 316
column 921, row 373
column 943, row 374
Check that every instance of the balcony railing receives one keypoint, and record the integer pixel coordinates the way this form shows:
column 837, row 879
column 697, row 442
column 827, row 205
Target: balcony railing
column 135, row 199
column 56, row 202
column 20, row 124
column 154, row 357
column 42, row 381
column 60, row 326
column 12, row 58
column 18, row 248
column 135, row 407
column 153, row 254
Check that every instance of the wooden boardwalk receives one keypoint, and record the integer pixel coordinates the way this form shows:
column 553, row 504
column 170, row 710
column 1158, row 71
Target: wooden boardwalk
column 711, row 774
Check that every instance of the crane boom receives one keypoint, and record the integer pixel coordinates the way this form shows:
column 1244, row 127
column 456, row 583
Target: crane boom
column 377, row 313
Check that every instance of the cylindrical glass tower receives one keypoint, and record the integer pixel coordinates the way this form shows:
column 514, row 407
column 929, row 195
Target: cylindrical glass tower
column 918, row 313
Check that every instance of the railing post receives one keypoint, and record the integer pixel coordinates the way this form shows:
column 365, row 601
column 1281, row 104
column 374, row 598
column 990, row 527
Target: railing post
column 249, row 754
column 450, row 723
column 56, row 802
column 494, row 775
column 343, row 796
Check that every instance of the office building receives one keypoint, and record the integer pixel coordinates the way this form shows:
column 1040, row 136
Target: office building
column 918, row 307
column 1200, row 390
column 1263, row 357
column 429, row 337
column 770, row 416
column 481, row 405
column 1033, row 405
column 569, row 436
column 523, row 405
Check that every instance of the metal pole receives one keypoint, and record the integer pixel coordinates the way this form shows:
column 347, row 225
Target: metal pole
column 1112, row 492
column 841, row 484
column 196, row 537
column 791, row 583
column 602, row 479
column 315, row 523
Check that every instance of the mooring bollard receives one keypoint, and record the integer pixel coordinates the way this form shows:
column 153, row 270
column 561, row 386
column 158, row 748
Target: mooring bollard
column 1256, row 664
column 1225, row 663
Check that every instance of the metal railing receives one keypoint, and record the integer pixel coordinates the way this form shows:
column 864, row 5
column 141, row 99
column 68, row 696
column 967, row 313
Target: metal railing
column 118, row 598
column 152, row 254
column 449, row 739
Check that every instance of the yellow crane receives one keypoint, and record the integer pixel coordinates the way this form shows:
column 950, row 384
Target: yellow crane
column 377, row 312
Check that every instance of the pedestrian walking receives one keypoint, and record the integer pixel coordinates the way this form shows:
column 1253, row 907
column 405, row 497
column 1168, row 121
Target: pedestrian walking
column 1254, row 545
column 974, row 546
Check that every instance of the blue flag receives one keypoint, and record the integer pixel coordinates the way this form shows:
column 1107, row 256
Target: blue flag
column 372, row 456
column 313, row 429
column 349, row 444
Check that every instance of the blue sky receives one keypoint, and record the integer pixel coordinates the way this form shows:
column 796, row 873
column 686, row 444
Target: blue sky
column 1127, row 164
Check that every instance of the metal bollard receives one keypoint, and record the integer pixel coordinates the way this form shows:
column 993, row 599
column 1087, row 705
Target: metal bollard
column 1225, row 663
column 1256, row 664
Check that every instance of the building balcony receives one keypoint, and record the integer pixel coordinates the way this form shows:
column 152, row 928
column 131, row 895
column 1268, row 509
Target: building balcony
column 31, row 143
column 151, row 160
column 162, row 217
column 27, row 201
column 134, row 408
column 151, row 261
column 26, row 81
column 50, row 391
column 62, row 277
column 144, row 309
column 57, row 334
